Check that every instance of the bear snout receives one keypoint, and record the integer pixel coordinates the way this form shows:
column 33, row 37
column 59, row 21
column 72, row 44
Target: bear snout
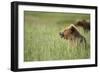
column 61, row 34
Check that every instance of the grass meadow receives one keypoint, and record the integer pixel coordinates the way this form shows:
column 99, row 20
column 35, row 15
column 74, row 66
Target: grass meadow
column 42, row 41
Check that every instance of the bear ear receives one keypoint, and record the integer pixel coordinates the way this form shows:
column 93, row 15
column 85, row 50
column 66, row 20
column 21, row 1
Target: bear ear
column 72, row 28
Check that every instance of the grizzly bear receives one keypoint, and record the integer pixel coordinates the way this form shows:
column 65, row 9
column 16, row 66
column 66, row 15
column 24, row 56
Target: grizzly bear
column 71, row 33
column 84, row 24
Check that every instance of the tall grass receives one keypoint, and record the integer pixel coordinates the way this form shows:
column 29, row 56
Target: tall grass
column 42, row 41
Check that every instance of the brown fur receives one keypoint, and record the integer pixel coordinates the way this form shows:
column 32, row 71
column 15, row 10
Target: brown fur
column 84, row 24
column 71, row 33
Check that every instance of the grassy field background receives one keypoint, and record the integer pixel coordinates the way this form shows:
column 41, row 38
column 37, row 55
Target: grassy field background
column 42, row 41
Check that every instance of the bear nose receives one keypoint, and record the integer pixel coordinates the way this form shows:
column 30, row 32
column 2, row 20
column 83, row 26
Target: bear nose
column 61, row 34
